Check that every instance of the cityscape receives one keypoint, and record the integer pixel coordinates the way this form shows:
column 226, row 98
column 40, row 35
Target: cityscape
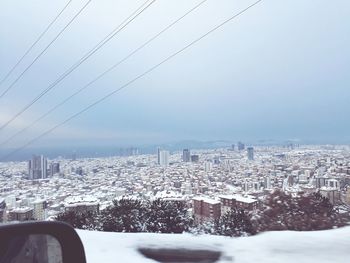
column 174, row 131
column 210, row 181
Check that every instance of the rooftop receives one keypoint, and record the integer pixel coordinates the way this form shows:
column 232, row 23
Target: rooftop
column 80, row 200
column 206, row 200
column 239, row 198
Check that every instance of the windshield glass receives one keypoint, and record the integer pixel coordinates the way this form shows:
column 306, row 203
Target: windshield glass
column 183, row 131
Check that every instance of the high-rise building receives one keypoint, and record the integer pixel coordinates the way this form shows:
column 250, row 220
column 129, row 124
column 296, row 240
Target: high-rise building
column 37, row 167
column 250, row 153
column 186, row 155
column 195, row 158
column 158, row 155
column 240, row 146
column 54, row 168
column 163, row 158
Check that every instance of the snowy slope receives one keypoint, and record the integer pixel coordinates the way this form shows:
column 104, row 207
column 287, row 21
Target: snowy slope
column 286, row 246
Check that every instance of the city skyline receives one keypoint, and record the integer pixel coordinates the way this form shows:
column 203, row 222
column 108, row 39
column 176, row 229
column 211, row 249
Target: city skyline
column 211, row 182
column 97, row 151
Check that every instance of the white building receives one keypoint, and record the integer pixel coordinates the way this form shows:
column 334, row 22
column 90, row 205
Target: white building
column 208, row 166
column 39, row 209
column 267, row 182
column 164, row 158
column 81, row 204
column 333, row 183
column 11, row 201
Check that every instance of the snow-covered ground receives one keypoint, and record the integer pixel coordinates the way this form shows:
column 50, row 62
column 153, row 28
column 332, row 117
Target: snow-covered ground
column 286, row 246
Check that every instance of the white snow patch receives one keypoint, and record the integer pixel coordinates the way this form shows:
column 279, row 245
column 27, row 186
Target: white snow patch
column 284, row 246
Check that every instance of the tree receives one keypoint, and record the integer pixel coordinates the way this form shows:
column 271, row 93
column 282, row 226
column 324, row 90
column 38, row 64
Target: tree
column 235, row 223
column 305, row 212
column 205, row 228
column 88, row 220
column 167, row 217
column 125, row 215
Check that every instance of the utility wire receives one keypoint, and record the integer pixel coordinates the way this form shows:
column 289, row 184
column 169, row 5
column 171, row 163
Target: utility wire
column 77, row 64
column 130, row 82
column 104, row 73
column 35, row 42
column 44, row 50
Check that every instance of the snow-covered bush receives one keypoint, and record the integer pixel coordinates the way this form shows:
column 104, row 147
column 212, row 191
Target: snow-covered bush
column 88, row 220
column 125, row 215
column 167, row 217
column 305, row 212
column 235, row 223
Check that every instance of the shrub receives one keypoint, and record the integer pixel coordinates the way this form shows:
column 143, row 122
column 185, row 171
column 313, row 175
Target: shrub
column 167, row 217
column 305, row 212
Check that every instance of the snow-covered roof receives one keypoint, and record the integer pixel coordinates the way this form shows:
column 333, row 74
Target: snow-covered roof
column 21, row 209
column 38, row 201
column 206, row 200
column 80, row 200
column 308, row 186
column 239, row 198
column 328, row 188
column 169, row 195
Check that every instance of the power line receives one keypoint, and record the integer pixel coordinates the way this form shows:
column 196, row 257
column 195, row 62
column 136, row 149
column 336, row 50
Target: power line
column 104, row 73
column 131, row 81
column 44, row 50
column 84, row 58
column 35, row 42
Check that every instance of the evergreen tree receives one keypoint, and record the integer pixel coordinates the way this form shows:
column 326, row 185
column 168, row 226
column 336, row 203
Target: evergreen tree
column 167, row 217
column 235, row 223
column 305, row 212
column 125, row 215
column 88, row 220
column 205, row 228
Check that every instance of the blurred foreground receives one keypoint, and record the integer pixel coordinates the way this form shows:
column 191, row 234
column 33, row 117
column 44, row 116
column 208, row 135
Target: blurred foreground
column 282, row 246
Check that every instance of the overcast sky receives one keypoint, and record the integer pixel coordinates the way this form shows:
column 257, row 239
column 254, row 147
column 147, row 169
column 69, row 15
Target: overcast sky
column 280, row 71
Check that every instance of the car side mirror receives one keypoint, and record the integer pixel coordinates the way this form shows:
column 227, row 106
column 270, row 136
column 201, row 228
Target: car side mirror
column 41, row 242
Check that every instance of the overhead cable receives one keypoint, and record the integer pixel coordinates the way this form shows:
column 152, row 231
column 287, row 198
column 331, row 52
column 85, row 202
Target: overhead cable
column 131, row 81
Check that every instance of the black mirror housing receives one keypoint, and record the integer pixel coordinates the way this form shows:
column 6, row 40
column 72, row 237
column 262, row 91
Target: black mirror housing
column 71, row 247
